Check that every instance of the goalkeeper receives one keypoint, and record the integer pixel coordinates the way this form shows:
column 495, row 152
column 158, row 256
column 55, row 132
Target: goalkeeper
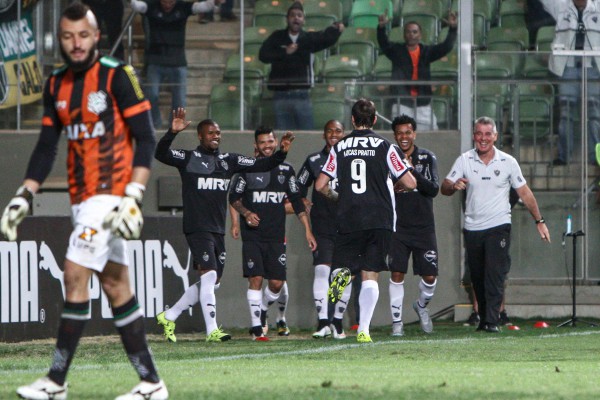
column 98, row 103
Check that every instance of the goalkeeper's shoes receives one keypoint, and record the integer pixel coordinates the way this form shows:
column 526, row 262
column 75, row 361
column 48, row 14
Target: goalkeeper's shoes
column 147, row 391
column 364, row 337
column 168, row 327
column 282, row 328
column 126, row 219
column 218, row 335
column 43, row 389
column 257, row 334
column 338, row 284
column 14, row 213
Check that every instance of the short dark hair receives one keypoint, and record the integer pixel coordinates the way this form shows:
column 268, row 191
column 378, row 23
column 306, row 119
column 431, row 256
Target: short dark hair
column 333, row 120
column 75, row 11
column 205, row 122
column 295, row 6
column 262, row 130
column 364, row 113
column 403, row 120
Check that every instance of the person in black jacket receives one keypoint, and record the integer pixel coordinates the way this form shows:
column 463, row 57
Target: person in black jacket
column 415, row 101
column 205, row 176
column 289, row 51
column 415, row 228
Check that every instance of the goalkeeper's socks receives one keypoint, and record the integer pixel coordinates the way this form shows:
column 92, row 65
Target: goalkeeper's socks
column 254, row 302
column 208, row 301
column 282, row 302
column 187, row 300
column 129, row 321
column 72, row 321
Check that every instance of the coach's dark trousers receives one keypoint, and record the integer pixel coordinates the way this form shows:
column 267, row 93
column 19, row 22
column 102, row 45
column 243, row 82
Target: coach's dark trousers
column 488, row 259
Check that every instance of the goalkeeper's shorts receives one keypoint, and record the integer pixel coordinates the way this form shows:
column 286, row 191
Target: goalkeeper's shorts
column 91, row 245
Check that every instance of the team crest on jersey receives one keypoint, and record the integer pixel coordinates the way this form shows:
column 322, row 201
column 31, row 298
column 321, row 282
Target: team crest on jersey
column 282, row 259
column 250, row 264
column 97, row 102
column 281, row 179
column 222, row 257
column 88, row 234
column 60, row 105
column 497, row 172
column 205, row 256
column 419, row 168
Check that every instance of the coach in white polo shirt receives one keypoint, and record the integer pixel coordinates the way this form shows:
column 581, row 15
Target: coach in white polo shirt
column 487, row 175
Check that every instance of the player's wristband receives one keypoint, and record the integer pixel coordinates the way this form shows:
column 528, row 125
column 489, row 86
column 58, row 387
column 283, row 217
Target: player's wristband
column 540, row 221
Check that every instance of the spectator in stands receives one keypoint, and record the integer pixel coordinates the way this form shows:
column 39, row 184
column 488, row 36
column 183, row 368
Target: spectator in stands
column 411, row 60
column 165, row 53
column 289, row 51
column 536, row 17
column 110, row 18
column 225, row 11
column 577, row 28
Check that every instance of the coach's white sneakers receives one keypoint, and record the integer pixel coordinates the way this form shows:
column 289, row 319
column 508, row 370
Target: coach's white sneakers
column 322, row 333
column 147, row 391
column 43, row 389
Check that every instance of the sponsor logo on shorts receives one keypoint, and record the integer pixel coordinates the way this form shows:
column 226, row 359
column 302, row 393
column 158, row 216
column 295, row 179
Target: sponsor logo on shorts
column 503, row 243
column 282, row 259
column 250, row 264
column 222, row 257
column 88, row 234
column 205, row 256
column 431, row 256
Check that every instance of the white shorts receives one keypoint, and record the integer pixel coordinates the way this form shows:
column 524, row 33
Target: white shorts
column 91, row 245
column 426, row 119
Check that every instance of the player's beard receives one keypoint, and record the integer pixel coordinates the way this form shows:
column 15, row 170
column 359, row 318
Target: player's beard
column 80, row 65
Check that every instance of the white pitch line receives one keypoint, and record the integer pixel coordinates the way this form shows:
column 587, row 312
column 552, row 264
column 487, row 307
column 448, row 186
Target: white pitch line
column 395, row 342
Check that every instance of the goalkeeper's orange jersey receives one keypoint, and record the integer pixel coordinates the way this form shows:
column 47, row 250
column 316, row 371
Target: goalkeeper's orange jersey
column 84, row 105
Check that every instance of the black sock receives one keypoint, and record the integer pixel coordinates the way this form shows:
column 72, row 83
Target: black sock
column 130, row 324
column 337, row 324
column 72, row 321
column 322, row 324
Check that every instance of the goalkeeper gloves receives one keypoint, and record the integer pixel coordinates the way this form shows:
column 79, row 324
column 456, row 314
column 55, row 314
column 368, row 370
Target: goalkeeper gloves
column 14, row 213
column 126, row 219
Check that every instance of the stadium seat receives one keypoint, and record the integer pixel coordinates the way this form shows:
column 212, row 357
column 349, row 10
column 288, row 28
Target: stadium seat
column 491, row 100
column 318, row 22
column 532, row 114
column 265, row 111
column 227, row 114
column 275, row 21
column 253, row 68
column 365, row 13
column 443, row 104
column 346, row 10
column 231, row 91
column 344, row 67
column 508, row 39
column 361, row 42
column 323, row 8
column 536, row 66
column 545, row 37
column 493, row 66
column 446, row 67
column 433, row 7
column 328, row 102
column 511, row 14
column 382, row 70
column 254, row 36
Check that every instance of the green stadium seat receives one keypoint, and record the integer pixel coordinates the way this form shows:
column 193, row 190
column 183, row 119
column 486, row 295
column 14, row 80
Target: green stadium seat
column 227, row 114
column 231, row 91
column 382, row 70
column 433, row 7
column 323, row 7
column 275, row 20
column 318, row 22
column 446, row 67
column 344, row 67
column 536, row 66
column 365, row 13
column 443, row 104
column 361, row 42
column 253, row 68
column 493, row 66
column 328, row 102
column 511, row 14
column 254, row 36
column 545, row 37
